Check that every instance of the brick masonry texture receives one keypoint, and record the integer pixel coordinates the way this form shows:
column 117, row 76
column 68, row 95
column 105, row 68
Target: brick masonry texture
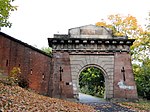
column 62, row 88
column 34, row 65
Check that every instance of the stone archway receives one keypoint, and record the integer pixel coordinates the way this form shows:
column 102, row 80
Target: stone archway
column 99, row 77
column 104, row 63
column 92, row 45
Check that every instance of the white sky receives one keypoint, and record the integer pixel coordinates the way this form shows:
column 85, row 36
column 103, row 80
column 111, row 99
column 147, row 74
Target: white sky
column 36, row 20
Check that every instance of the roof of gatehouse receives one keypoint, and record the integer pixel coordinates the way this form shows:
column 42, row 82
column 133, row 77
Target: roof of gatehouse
column 90, row 31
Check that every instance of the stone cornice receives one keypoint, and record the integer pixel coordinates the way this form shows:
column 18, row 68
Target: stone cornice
column 90, row 45
column 98, row 41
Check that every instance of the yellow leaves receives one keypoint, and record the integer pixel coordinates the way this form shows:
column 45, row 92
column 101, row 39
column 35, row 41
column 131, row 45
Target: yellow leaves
column 15, row 71
column 100, row 24
column 128, row 26
column 13, row 77
column 137, row 70
column 119, row 34
column 136, row 44
column 130, row 20
column 115, row 19
column 121, row 25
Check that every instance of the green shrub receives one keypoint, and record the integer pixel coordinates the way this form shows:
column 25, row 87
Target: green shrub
column 13, row 77
column 142, row 78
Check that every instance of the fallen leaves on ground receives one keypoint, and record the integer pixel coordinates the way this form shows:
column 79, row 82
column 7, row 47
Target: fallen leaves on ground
column 16, row 99
column 141, row 106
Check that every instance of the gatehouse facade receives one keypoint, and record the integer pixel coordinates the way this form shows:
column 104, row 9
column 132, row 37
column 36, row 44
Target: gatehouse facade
column 87, row 46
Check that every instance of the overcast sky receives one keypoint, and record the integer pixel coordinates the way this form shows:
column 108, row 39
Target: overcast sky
column 36, row 20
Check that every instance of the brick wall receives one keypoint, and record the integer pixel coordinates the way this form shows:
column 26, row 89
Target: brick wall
column 62, row 88
column 34, row 64
column 123, row 59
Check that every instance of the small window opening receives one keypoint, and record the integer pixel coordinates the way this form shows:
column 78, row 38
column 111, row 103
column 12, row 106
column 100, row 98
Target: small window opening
column 31, row 71
column 43, row 76
column 67, row 83
column 6, row 62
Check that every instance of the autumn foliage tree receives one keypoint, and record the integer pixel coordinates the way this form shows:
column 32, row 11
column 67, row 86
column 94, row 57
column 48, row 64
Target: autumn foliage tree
column 5, row 9
column 128, row 26
column 140, row 50
column 120, row 25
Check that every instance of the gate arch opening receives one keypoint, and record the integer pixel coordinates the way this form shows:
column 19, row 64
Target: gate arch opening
column 92, row 81
column 103, row 73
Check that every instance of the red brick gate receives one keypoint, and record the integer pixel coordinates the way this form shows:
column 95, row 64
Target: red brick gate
column 92, row 46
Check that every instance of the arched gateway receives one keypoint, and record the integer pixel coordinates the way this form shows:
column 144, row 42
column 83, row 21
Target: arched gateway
column 91, row 45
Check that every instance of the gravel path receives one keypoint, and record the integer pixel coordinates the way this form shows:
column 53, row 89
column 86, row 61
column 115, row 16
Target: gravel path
column 109, row 107
column 101, row 105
